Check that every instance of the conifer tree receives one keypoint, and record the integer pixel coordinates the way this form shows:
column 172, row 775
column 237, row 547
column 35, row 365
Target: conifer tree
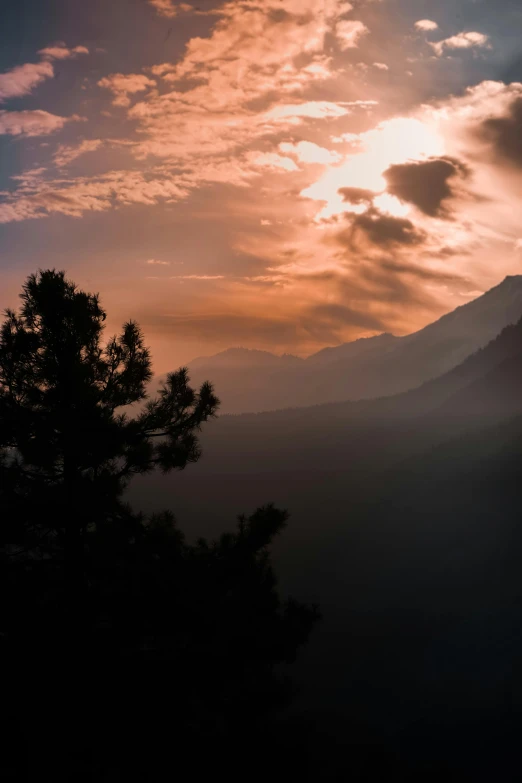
column 109, row 615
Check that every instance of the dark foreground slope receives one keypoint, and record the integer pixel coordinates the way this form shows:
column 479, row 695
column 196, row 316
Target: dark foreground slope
column 406, row 529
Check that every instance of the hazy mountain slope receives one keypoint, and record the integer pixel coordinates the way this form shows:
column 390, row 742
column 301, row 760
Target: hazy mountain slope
column 238, row 374
column 463, row 384
column 497, row 394
column 405, row 529
column 367, row 368
column 365, row 346
column 368, row 435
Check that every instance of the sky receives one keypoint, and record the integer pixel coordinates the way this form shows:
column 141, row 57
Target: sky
column 275, row 174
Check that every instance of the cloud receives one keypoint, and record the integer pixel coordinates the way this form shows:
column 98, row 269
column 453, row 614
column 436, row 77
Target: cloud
column 255, row 101
column 66, row 154
column 244, row 81
column 337, row 315
column 74, row 197
column 426, row 184
column 462, row 41
column 280, row 325
column 31, row 123
column 420, row 272
column 29, row 178
column 123, row 85
column 483, row 101
column 381, row 66
column 356, row 195
column 420, row 258
column 482, row 128
column 503, row 134
column 426, row 25
column 273, row 160
column 349, row 33
column 62, row 52
column 197, row 277
column 22, row 79
column 347, row 138
column 308, row 152
column 383, row 231
column 261, row 34
column 370, row 294
column 169, row 8
column 221, row 114
column 320, row 110
column 396, row 140
column 258, row 328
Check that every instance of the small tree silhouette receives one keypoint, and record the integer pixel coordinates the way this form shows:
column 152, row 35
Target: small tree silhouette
column 123, row 612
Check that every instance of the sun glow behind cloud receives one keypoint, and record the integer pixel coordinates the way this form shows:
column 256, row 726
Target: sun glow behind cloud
column 261, row 136
column 394, row 141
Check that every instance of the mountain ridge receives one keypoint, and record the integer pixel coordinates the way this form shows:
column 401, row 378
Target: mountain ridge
column 247, row 380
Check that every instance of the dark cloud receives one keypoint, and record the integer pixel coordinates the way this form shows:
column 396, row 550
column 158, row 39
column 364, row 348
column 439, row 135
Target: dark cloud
column 382, row 266
column 356, row 195
column 278, row 15
column 387, row 281
column 316, row 324
column 384, row 231
column 223, row 326
column 426, row 184
column 504, row 134
column 341, row 315
column 421, row 272
column 396, row 283
column 449, row 252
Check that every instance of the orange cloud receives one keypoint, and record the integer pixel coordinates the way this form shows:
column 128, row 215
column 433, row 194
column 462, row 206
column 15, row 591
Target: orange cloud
column 462, row 41
column 258, row 51
column 123, row 85
column 31, row 123
column 308, row 152
column 197, row 277
column 74, row 197
column 62, row 52
column 66, row 154
column 273, row 160
column 349, row 33
column 22, row 79
column 169, row 8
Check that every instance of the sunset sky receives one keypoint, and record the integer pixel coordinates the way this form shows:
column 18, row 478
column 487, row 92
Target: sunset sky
column 277, row 174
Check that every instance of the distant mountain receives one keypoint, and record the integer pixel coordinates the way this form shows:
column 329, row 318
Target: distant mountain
column 485, row 388
column 367, row 368
column 364, row 347
column 488, row 382
column 238, row 374
column 244, row 357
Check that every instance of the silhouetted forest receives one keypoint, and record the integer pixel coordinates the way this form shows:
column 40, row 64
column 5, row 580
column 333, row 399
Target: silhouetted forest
column 127, row 653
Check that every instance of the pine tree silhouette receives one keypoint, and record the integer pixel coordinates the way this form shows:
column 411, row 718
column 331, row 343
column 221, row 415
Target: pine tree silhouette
column 121, row 616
